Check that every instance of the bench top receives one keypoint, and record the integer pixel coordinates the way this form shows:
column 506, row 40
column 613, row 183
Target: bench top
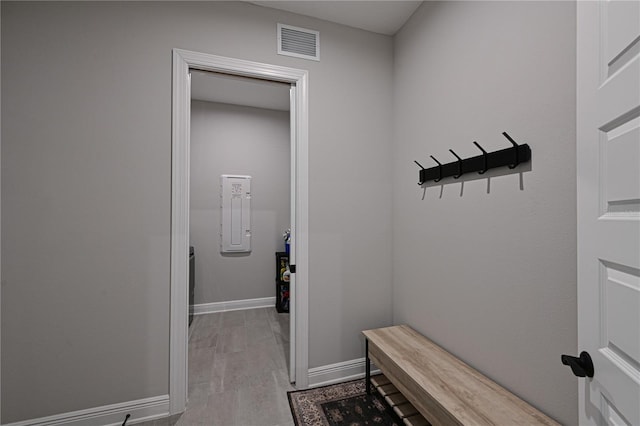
column 442, row 379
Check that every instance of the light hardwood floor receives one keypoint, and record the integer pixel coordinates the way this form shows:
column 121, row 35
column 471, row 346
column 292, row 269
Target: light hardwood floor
column 238, row 372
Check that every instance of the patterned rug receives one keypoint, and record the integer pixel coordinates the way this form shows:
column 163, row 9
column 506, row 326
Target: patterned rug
column 341, row 404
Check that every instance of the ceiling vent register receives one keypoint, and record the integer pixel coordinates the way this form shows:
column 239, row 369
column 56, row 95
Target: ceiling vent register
column 298, row 42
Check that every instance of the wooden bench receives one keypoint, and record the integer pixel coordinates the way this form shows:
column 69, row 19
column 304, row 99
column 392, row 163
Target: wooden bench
column 445, row 390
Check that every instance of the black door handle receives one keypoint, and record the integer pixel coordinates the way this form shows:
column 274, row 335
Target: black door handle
column 581, row 367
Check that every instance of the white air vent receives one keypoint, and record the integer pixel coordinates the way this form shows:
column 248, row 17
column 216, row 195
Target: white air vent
column 298, row 42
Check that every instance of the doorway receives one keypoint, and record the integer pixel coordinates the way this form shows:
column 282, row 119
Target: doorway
column 183, row 63
column 239, row 211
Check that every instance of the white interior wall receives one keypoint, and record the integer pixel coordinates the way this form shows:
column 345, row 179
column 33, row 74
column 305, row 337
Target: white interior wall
column 486, row 267
column 231, row 139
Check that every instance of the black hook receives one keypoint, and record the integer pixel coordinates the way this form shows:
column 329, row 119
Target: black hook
column 515, row 148
column 419, row 165
column 439, row 169
column 484, row 158
column 459, row 165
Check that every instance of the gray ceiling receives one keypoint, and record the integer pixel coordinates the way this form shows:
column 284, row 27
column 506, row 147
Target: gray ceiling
column 226, row 89
column 384, row 17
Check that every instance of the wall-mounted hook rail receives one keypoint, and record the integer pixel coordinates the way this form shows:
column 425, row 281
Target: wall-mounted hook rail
column 510, row 157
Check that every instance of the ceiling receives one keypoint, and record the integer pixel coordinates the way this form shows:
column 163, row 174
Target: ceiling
column 226, row 89
column 384, row 17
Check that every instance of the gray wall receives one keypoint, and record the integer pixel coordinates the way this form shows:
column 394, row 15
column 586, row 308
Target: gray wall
column 231, row 139
column 86, row 160
column 86, row 108
column 488, row 270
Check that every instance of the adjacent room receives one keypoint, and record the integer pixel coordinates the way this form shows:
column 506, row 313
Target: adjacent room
column 205, row 204
column 239, row 329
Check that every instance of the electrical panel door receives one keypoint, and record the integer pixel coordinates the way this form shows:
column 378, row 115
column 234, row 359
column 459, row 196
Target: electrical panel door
column 235, row 205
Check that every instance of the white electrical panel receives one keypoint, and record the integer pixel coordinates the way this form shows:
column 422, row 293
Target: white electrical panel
column 235, row 222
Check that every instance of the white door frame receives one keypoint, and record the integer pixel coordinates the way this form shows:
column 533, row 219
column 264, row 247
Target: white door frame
column 184, row 60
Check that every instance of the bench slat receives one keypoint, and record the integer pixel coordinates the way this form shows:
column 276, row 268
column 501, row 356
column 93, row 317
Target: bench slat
column 405, row 410
column 443, row 388
column 416, row 420
column 395, row 399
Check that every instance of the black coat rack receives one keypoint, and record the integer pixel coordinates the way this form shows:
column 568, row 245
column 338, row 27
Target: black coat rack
column 510, row 157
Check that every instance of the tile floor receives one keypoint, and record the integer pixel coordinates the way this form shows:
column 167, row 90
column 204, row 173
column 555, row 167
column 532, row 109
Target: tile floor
column 238, row 374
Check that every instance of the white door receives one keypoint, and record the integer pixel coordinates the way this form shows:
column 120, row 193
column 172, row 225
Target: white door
column 292, row 246
column 608, row 153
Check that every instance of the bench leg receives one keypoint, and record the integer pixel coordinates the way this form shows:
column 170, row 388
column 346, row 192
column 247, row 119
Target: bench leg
column 367, row 366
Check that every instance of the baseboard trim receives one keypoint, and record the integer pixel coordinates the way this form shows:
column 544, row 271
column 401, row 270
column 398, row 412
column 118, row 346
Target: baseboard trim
column 233, row 305
column 338, row 372
column 141, row 410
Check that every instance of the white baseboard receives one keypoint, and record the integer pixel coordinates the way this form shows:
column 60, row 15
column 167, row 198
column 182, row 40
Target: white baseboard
column 141, row 410
column 233, row 305
column 339, row 372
